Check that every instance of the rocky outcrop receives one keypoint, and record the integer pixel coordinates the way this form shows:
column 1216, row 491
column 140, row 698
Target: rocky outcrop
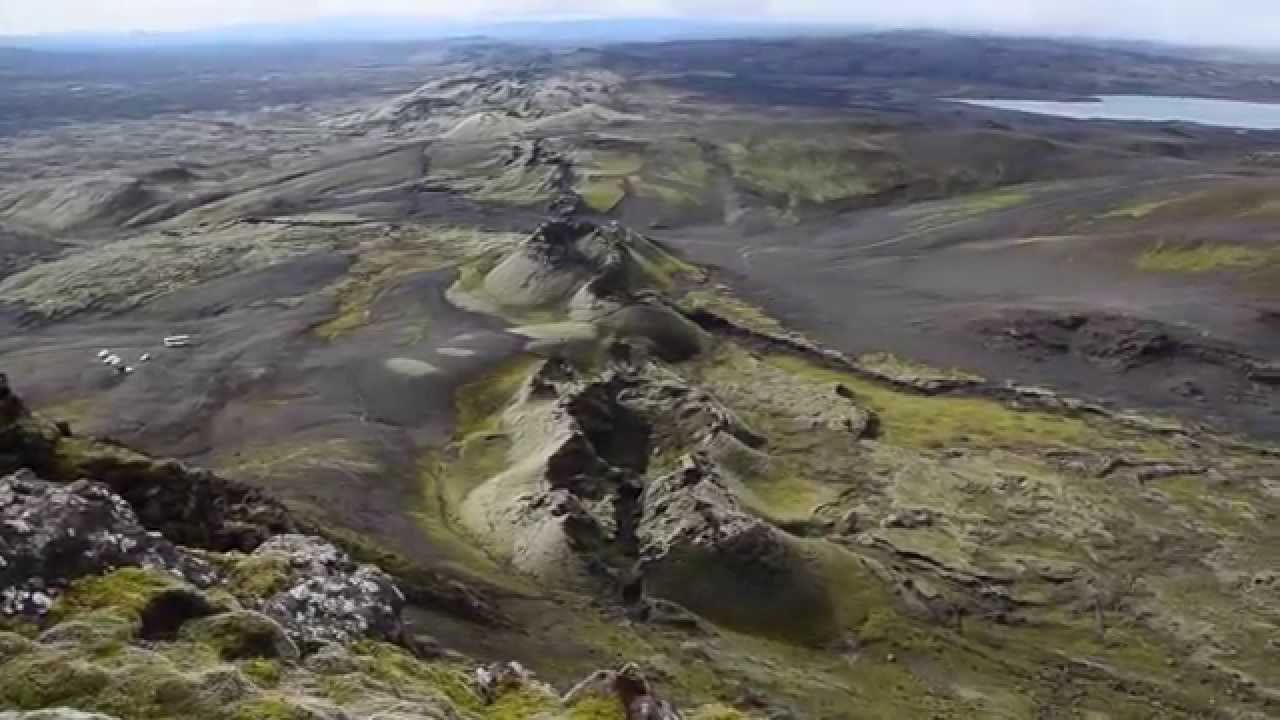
column 24, row 441
column 699, row 548
column 600, row 274
column 526, row 95
column 140, row 627
column 556, row 514
column 579, row 263
column 583, row 507
column 51, row 535
column 197, row 508
column 327, row 597
column 188, row 505
column 682, row 414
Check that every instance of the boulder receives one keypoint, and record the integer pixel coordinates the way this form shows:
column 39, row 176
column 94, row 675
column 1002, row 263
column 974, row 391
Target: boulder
column 242, row 634
column 53, row 534
column 328, row 598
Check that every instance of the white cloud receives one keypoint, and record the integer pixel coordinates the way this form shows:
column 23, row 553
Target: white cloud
column 1205, row 21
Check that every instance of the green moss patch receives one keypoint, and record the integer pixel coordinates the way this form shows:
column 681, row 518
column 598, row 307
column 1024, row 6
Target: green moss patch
column 381, row 263
column 724, row 303
column 479, row 403
column 46, row 680
column 1204, row 258
column 524, row 704
column 258, row 577
column 799, row 171
column 263, row 672
column 602, row 194
column 604, row 176
column 921, row 421
column 391, row 665
column 241, row 634
column 899, row 369
column 127, row 592
column 300, row 456
column 677, row 175
column 982, row 203
column 12, row 645
column 272, row 708
column 597, row 707
column 478, row 451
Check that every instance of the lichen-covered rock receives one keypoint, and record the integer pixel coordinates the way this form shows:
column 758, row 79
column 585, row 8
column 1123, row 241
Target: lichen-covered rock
column 53, row 534
column 331, row 660
column 328, row 598
column 494, row 680
column 699, row 548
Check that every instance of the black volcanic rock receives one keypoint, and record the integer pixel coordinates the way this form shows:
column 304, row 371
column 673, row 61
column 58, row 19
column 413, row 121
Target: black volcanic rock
column 50, row 535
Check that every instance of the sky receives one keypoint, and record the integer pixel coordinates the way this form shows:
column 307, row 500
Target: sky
column 1205, row 22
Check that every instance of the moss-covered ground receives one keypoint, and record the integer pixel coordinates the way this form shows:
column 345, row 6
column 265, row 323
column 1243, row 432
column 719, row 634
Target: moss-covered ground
column 1206, row 257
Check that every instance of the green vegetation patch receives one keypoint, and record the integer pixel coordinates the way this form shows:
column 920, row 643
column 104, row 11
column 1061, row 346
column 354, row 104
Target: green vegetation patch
column 525, row 704
column 127, row 592
column 477, row 452
column 678, row 175
column 241, row 635
column 272, row 707
column 965, row 207
column 602, row 194
column 936, row 422
column 724, row 303
column 263, row 672
column 12, row 645
column 900, row 369
column 392, row 665
column 785, row 495
column 1139, row 211
column 47, row 679
column 986, row 202
column 258, row 576
column 597, row 707
column 913, row 420
column 381, row 263
column 479, row 404
column 801, row 171
column 300, row 456
column 1206, row 257
column 610, row 163
column 603, row 177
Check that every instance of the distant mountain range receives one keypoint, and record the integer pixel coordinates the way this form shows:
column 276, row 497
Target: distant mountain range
column 404, row 29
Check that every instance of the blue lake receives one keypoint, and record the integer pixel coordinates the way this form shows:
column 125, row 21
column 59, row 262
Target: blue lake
column 1151, row 108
